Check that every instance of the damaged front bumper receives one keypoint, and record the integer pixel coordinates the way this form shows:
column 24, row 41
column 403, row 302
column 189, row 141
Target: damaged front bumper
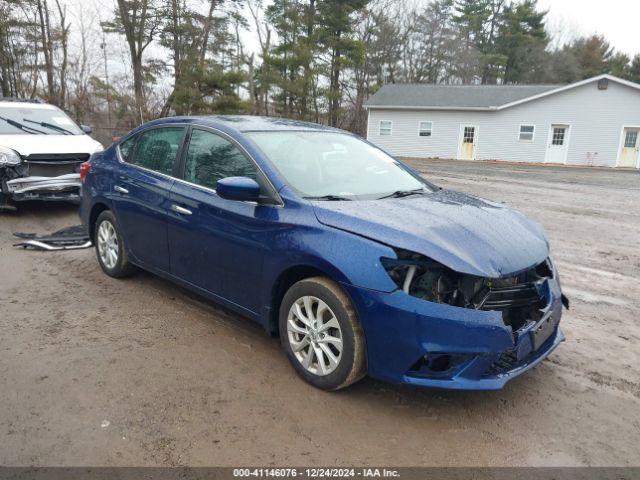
column 64, row 187
column 412, row 341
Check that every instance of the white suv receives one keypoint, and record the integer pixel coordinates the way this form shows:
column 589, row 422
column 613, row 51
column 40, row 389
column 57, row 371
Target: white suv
column 41, row 150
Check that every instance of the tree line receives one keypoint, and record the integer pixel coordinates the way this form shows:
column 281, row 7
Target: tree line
column 317, row 60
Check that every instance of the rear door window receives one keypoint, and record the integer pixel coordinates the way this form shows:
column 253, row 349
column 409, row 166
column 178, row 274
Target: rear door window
column 155, row 149
column 211, row 157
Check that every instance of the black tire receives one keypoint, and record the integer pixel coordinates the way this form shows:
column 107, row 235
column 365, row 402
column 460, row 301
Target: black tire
column 122, row 267
column 352, row 361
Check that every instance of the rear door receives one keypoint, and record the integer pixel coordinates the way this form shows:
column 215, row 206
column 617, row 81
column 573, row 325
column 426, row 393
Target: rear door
column 557, row 144
column 468, row 141
column 216, row 244
column 630, row 150
column 141, row 192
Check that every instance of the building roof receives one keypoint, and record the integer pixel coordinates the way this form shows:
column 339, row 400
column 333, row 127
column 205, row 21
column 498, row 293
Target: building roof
column 469, row 97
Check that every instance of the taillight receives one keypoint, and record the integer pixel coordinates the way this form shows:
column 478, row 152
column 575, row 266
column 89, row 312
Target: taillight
column 85, row 167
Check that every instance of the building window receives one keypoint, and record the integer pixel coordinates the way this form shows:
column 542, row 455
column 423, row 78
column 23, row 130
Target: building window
column 558, row 136
column 425, row 129
column 468, row 135
column 527, row 132
column 385, row 127
column 630, row 139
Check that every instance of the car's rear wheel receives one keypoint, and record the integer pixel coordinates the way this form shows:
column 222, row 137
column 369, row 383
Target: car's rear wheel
column 321, row 334
column 110, row 247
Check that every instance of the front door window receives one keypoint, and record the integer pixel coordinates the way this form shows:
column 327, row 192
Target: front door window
column 211, row 157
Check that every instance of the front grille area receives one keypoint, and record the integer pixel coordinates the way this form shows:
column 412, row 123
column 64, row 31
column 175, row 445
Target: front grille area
column 505, row 362
column 503, row 298
column 519, row 298
column 54, row 165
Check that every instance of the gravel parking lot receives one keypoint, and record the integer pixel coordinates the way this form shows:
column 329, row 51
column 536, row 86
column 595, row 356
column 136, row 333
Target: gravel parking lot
column 96, row 371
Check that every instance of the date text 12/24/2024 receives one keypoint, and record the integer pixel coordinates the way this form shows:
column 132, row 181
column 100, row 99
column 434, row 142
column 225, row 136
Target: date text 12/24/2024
column 315, row 473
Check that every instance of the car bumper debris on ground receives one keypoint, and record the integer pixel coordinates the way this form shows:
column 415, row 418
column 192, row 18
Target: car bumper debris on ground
column 69, row 238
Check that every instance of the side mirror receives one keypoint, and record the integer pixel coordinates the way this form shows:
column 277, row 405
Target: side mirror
column 86, row 129
column 242, row 189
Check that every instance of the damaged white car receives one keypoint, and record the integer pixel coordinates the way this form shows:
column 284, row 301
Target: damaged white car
column 41, row 150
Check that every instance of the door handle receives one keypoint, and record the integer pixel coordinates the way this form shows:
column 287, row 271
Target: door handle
column 181, row 210
column 120, row 189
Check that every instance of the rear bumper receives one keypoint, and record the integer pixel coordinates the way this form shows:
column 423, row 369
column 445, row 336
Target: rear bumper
column 63, row 187
column 406, row 335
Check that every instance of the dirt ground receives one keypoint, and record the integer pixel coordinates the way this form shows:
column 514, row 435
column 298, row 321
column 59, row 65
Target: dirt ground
column 96, row 371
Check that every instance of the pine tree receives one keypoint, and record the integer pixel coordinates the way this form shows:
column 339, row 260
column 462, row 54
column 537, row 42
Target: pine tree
column 522, row 41
column 634, row 69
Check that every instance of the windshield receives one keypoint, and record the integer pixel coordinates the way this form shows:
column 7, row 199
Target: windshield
column 23, row 119
column 335, row 166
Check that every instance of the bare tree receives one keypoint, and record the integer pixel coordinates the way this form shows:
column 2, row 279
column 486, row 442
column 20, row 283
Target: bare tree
column 64, row 45
column 138, row 21
column 47, row 48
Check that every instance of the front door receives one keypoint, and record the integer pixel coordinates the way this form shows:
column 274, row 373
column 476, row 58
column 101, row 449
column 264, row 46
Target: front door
column 557, row 144
column 214, row 243
column 141, row 190
column 630, row 148
column 468, row 140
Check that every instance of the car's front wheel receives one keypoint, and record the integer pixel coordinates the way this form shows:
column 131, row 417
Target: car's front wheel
column 110, row 247
column 321, row 334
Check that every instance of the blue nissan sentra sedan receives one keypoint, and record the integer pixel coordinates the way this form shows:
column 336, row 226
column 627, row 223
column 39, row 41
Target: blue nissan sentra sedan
column 359, row 264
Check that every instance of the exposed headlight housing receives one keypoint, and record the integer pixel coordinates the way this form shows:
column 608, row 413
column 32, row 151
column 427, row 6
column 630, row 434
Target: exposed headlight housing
column 518, row 297
column 9, row 157
column 421, row 277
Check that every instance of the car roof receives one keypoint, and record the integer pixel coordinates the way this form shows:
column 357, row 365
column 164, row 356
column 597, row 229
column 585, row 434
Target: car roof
column 248, row 123
column 30, row 105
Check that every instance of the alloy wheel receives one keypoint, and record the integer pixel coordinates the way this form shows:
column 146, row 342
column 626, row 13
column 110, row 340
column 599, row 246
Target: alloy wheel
column 314, row 335
column 108, row 244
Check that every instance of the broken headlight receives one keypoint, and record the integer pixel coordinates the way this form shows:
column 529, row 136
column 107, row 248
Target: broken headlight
column 9, row 157
column 520, row 297
column 421, row 277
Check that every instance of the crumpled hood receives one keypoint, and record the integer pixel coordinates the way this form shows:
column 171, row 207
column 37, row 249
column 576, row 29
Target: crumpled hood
column 27, row 145
column 465, row 233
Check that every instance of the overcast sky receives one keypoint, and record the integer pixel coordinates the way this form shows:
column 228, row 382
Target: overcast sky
column 617, row 20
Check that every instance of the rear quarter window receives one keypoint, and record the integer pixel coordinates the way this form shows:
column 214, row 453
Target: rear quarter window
column 126, row 148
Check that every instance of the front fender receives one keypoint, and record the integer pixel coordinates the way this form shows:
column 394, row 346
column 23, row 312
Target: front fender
column 345, row 257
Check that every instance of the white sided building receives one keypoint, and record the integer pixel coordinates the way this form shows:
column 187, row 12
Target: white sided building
column 594, row 122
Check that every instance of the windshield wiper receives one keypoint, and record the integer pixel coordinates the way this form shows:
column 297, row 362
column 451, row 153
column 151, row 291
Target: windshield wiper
column 404, row 193
column 49, row 125
column 332, row 198
column 24, row 128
